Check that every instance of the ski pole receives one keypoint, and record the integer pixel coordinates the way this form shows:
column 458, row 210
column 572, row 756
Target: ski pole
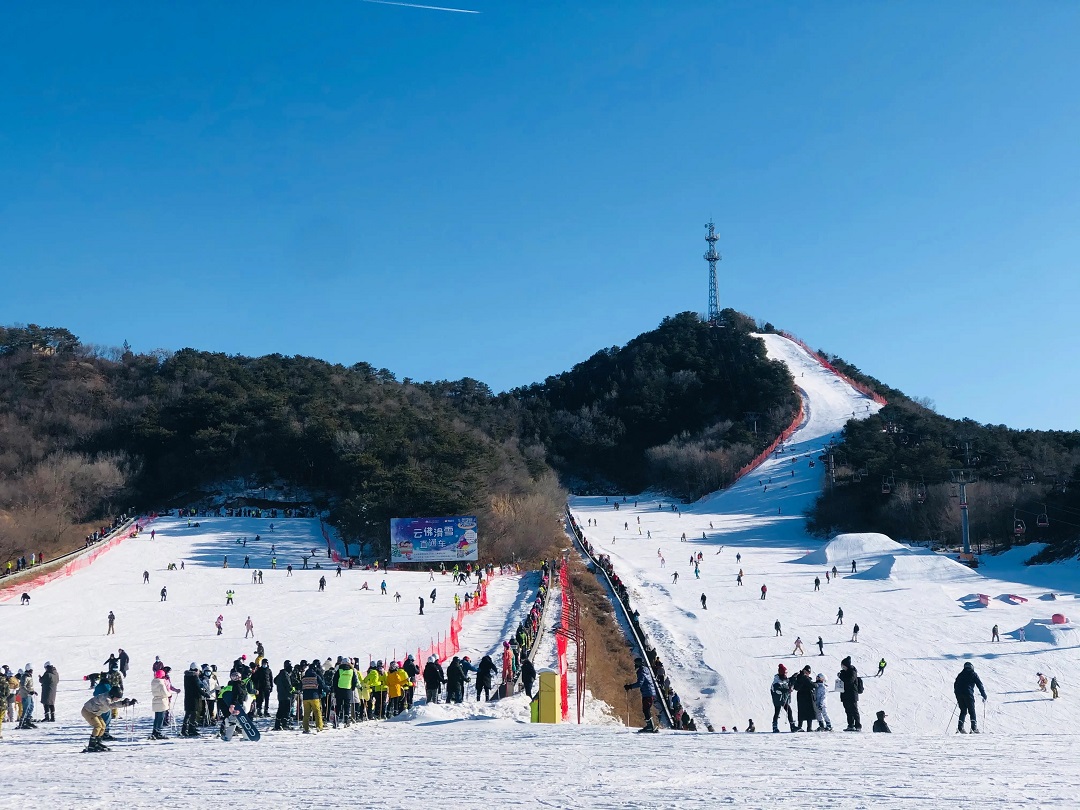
column 951, row 716
column 627, row 708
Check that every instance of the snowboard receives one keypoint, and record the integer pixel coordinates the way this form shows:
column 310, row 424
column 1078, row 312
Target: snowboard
column 245, row 722
column 653, row 730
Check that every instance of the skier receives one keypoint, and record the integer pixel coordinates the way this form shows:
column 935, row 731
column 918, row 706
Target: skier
column 880, row 726
column 817, row 583
column 283, row 682
column 24, row 599
column 674, row 577
column 880, row 668
column 839, row 616
column 145, row 577
column 776, row 627
column 247, row 561
column 322, row 584
column 964, row 689
column 738, row 558
column 703, row 607
column 421, row 606
column 994, row 636
column 1042, row 681
column 849, row 677
column 855, row 632
column 432, row 596
column 193, row 698
column 94, row 708
column 112, row 621
column 820, row 646
column 313, row 691
column 159, row 689
column 249, row 628
column 645, row 684
column 338, row 574
column 738, row 579
column 763, row 588
column 434, row 678
column 1053, row 688
column 821, row 712
column 26, row 698
column 288, row 569
column 382, row 587
column 798, row 647
column 826, row 577
column 781, row 698
column 834, row 572
column 217, row 623
column 854, row 567
column 225, row 563
column 164, row 594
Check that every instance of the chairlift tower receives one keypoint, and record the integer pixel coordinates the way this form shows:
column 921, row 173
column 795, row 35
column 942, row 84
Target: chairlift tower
column 712, row 257
column 962, row 478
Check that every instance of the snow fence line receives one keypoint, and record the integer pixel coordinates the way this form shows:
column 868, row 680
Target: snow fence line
column 858, row 386
column 80, row 560
column 624, row 606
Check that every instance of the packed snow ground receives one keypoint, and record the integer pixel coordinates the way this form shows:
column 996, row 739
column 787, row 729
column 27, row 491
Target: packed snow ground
column 918, row 611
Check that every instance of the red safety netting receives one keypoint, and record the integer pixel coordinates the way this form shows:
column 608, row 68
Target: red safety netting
column 77, row 564
column 442, row 647
column 764, row 454
column 858, row 386
column 561, row 639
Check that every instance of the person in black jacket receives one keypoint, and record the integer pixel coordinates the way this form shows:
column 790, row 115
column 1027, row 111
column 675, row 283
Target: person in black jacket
column 484, row 675
column 528, row 676
column 285, row 691
column 434, row 678
column 193, row 699
column 263, row 680
column 849, row 677
column 231, row 699
column 455, row 682
column 412, row 670
column 123, row 660
column 964, row 689
column 880, row 726
column 803, row 685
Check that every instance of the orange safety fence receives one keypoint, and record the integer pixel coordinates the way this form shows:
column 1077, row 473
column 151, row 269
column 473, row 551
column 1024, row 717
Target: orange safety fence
column 783, row 437
column 442, row 647
column 858, row 386
column 77, row 564
column 561, row 640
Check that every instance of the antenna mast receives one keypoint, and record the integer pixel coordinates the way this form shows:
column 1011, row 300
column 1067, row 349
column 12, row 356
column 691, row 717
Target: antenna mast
column 712, row 257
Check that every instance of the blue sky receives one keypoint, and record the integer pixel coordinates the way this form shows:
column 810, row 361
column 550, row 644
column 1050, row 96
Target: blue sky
column 500, row 195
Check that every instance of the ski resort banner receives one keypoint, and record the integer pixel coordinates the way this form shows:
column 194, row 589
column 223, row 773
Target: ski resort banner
column 442, row 539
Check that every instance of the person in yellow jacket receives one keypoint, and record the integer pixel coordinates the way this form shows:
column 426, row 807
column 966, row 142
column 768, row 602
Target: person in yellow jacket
column 364, row 695
column 397, row 680
column 376, row 681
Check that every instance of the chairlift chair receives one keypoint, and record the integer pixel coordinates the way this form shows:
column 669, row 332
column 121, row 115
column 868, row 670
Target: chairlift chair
column 1019, row 528
column 1042, row 521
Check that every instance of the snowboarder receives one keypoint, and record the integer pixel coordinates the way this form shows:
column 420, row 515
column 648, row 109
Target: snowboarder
column 432, row 596
column 338, row 574
column 1042, row 681
column 880, row 726
column 24, row 599
column 776, row 627
column 164, row 594
column 855, row 632
column 994, row 636
column 839, row 616
column 849, row 678
column 421, row 606
column 781, row 698
column 763, row 588
column 1053, row 688
column 217, row 623
column 964, row 690
column 703, row 607
column 249, row 628
column 112, row 624
column 645, row 684
column 880, row 668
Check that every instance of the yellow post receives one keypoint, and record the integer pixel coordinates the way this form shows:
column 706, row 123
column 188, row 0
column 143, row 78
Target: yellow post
column 548, row 696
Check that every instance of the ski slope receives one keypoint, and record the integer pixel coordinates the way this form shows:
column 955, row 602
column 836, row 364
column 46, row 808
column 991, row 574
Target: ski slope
column 918, row 610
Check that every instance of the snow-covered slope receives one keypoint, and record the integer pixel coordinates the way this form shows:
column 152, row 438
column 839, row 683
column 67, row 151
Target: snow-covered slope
column 911, row 606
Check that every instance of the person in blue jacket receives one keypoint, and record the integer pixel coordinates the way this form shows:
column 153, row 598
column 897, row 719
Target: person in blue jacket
column 645, row 685
column 964, row 689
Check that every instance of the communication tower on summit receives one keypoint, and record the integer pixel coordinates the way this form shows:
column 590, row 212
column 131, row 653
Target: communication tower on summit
column 712, row 257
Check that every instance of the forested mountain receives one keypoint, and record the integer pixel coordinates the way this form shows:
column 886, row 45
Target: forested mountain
column 86, row 432
column 894, row 475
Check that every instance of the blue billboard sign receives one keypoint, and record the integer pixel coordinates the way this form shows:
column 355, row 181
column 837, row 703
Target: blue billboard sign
column 443, row 539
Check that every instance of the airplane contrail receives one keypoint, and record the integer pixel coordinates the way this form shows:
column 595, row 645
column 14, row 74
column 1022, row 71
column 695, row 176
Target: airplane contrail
column 417, row 5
